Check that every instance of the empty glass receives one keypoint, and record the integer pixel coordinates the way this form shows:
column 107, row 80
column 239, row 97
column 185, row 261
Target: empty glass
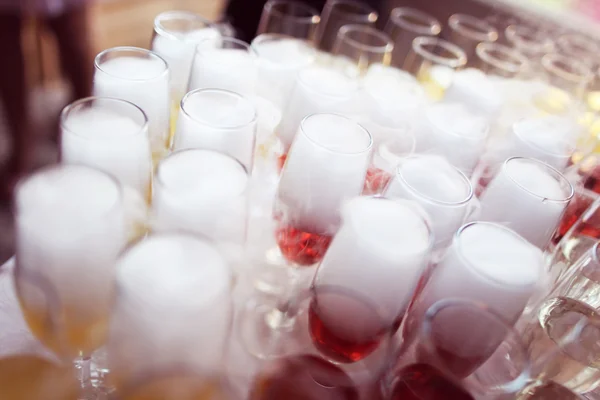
column 404, row 25
column 531, row 42
column 433, row 61
column 499, row 60
column 290, row 18
column 336, row 14
column 358, row 47
column 467, row 32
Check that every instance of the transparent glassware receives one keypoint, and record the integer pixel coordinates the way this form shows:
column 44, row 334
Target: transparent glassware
column 404, row 25
column 529, row 196
column 326, row 166
column 141, row 77
column 548, row 390
column 70, row 228
column 289, row 18
column 175, row 36
column 149, row 358
column 357, row 47
column 433, row 62
column 220, row 120
column 225, row 63
column 435, row 358
column 467, row 32
column 499, row 60
column 336, row 14
column 580, row 47
column 440, row 188
column 112, row 135
column 531, row 42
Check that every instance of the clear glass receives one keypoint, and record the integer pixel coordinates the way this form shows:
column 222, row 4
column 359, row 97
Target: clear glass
column 528, row 196
column 529, row 41
column 141, row 77
column 175, row 36
column 326, row 166
column 316, row 90
column 357, row 47
column 563, row 339
column 219, row 120
column 499, row 60
column 289, row 18
column 70, row 228
column 566, row 74
column 435, row 357
column 404, row 25
column 204, row 192
column 433, row 61
column 336, row 14
column 150, row 358
column 440, row 188
column 453, row 131
column 280, row 58
column 467, row 32
column 226, row 63
column 579, row 47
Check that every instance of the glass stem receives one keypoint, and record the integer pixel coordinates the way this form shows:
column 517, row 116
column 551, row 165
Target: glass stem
column 84, row 370
column 284, row 314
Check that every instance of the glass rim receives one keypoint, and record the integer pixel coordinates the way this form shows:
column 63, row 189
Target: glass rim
column 436, row 308
column 177, row 14
column 369, row 15
column 344, row 36
column 519, row 135
column 542, row 164
column 147, row 53
column 577, row 45
column 56, row 167
column 469, row 196
column 429, row 26
column 271, row 37
column 407, row 133
column 584, row 74
column 420, row 43
column 472, row 27
column 229, row 93
column 225, row 39
column 64, row 114
column 482, row 136
column 368, row 147
column 458, row 245
column 528, row 37
column 302, row 80
column 484, row 51
column 161, row 181
column 314, row 18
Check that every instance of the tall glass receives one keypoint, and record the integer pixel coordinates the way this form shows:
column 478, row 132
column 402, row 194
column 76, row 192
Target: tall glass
column 499, row 60
column 336, row 14
column 433, row 61
column 219, row 120
column 467, row 32
column 567, row 74
column 289, row 18
column 357, row 47
column 579, row 47
column 204, row 192
column 528, row 196
column 141, row 77
column 69, row 231
column 226, row 63
column 435, row 357
column 531, row 42
column 280, row 58
column 317, row 90
column 112, row 135
column 170, row 320
column 175, row 36
column 440, row 188
column 404, row 25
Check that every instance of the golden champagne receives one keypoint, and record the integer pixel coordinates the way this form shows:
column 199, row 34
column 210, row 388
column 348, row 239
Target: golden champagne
column 435, row 80
column 173, row 121
column 33, row 378
column 180, row 387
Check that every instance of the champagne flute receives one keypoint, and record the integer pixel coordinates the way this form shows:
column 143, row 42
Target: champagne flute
column 112, row 135
column 336, row 14
column 498, row 60
column 141, row 77
column 289, row 18
column 182, row 279
column 69, row 231
column 357, row 47
column 467, row 32
column 433, row 61
column 404, row 25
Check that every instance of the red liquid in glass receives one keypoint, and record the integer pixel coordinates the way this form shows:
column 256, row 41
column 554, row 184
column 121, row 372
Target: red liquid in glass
column 281, row 161
column 304, row 378
column 578, row 205
column 353, row 346
column 300, row 247
column 423, row 382
column 376, row 181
